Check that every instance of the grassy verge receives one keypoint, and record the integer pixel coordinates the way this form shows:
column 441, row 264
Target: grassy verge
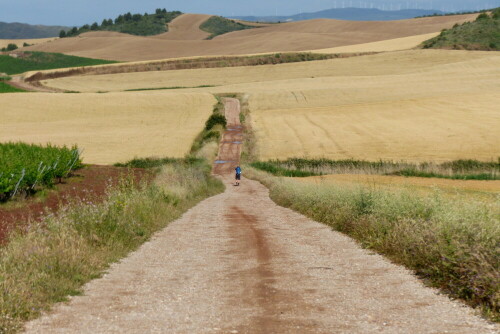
column 34, row 61
column 457, row 169
column 482, row 34
column 452, row 244
column 51, row 260
column 217, row 25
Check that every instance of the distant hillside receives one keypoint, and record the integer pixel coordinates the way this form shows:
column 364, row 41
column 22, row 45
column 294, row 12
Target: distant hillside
column 134, row 24
column 350, row 14
column 482, row 34
column 27, row 31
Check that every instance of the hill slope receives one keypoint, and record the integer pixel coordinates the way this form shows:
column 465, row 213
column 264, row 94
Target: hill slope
column 350, row 14
column 482, row 34
column 24, row 31
column 294, row 36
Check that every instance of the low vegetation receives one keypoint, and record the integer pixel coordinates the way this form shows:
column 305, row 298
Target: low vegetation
column 134, row 24
column 214, row 128
column 458, row 169
column 10, row 47
column 34, row 61
column 6, row 88
column 452, row 244
column 24, row 168
column 48, row 261
column 482, row 34
column 217, row 25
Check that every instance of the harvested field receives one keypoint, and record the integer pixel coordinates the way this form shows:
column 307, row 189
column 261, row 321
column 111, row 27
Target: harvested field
column 403, row 43
column 377, row 65
column 20, row 42
column 295, row 36
column 111, row 128
column 186, row 27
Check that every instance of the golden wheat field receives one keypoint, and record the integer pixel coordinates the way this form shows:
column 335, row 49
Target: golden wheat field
column 243, row 78
column 415, row 105
column 403, row 181
column 110, row 128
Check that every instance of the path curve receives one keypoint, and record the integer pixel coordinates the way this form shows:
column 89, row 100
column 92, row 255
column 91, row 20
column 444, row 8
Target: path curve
column 238, row 263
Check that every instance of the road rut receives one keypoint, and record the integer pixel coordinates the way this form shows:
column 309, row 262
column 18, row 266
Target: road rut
column 238, row 263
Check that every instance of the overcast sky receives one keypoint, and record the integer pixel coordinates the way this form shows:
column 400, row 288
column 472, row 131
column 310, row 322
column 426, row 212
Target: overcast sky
column 71, row 12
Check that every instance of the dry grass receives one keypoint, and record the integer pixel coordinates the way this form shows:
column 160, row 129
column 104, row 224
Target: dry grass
column 294, row 36
column 451, row 242
column 112, row 127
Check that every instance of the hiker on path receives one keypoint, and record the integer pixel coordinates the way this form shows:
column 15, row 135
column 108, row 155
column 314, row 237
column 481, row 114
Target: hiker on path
column 238, row 175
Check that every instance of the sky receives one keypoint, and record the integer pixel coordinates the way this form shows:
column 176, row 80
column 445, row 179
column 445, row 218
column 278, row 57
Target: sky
column 77, row 13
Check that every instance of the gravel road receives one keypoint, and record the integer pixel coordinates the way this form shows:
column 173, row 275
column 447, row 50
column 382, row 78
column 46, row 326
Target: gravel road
column 238, row 263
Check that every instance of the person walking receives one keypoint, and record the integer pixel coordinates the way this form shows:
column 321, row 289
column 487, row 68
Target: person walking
column 238, row 175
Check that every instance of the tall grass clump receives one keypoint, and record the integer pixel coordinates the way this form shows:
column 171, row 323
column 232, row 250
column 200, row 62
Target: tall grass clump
column 457, row 169
column 453, row 244
column 48, row 261
column 26, row 167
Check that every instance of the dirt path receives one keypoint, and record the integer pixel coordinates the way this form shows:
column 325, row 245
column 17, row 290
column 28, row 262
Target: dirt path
column 238, row 263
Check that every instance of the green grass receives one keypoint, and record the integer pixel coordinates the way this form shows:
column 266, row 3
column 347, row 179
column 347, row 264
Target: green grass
column 457, row 169
column 25, row 168
column 451, row 243
column 166, row 88
column 482, row 34
column 217, row 25
column 6, row 88
column 134, row 24
column 50, row 261
column 34, row 61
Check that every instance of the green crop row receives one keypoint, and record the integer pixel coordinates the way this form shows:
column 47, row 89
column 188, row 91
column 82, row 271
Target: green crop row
column 23, row 167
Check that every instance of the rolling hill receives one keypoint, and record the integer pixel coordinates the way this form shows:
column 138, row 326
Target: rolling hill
column 27, row 31
column 293, row 36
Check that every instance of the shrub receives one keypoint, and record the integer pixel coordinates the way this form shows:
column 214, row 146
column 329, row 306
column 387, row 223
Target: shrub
column 215, row 119
column 12, row 47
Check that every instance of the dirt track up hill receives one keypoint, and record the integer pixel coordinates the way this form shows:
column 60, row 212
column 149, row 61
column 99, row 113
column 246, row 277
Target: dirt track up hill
column 294, row 36
column 238, row 263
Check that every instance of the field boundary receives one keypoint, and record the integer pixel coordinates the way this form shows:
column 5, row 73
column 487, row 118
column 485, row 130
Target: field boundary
column 34, row 78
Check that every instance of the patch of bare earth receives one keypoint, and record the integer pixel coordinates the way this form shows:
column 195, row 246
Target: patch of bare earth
column 238, row 263
column 88, row 184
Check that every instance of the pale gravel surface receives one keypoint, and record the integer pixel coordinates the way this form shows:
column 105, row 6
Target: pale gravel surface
column 238, row 263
